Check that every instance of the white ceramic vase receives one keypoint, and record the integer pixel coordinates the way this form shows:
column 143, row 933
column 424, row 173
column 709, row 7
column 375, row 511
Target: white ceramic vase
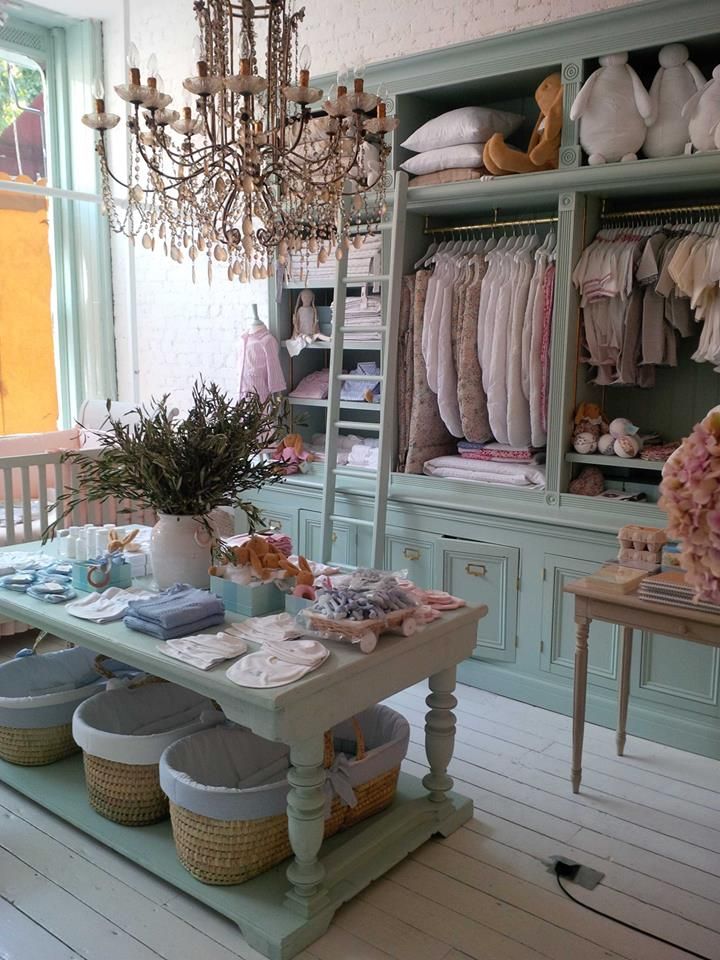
column 180, row 551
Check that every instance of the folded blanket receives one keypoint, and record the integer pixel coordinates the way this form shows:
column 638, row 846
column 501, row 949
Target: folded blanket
column 177, row 606
column 171, row 633
column 530, row 476
column 500, row 452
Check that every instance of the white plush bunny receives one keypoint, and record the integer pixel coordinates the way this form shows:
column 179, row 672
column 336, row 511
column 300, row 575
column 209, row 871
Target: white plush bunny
column 614, row 109
column 677, row 80
column 703, row 113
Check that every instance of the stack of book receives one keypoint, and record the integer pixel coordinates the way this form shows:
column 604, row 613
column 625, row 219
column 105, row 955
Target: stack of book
column 671, row 589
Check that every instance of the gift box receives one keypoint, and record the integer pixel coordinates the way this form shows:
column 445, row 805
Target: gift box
column 250, row 600
column 294, row 605
column 90, row 576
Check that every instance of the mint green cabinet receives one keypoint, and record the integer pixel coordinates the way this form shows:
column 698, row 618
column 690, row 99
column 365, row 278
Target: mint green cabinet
column 485, row 573
column 344, row 546
column 407, row 551
column 280, row 520
column 668, row 671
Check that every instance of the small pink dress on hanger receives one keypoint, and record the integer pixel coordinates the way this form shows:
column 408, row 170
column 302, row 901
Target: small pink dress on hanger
column 259, row 364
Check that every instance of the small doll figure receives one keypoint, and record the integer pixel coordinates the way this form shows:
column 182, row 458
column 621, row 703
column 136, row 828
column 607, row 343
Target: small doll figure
column 306, row 328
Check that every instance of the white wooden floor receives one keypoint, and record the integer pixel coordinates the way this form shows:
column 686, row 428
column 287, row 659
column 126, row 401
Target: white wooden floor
column 650, row 822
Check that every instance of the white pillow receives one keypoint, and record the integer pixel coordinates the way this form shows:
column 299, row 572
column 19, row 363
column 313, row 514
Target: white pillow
column 464, row 125
column 446, row 158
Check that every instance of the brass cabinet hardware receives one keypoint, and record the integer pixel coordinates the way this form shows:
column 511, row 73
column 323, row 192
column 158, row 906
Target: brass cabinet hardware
column 411, row 554
column 476, row 569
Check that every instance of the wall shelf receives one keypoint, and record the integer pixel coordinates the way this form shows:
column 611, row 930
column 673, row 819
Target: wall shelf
column 347, row 345
column 346, row 404
column 597, row 459
column 696, row 174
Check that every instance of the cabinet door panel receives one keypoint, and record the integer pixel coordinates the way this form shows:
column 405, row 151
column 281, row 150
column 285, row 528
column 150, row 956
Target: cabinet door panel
column 409, row 553
column 486, row 573
column 678, row 672
column 558, row 625
column 344, row 547
column 280, row 521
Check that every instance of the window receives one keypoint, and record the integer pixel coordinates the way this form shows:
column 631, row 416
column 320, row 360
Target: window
column 56, row 331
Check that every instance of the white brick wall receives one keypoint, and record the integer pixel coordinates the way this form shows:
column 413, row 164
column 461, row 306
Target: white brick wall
column 184, row 330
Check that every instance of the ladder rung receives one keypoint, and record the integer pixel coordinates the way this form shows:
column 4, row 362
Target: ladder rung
column 357, row 425
column 354, row 471
column 363, row 329
column 360, row 281
column 361, row 377
column 355, row 521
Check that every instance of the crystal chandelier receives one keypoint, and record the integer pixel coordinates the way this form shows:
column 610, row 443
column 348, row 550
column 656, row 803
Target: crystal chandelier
column 246, row 172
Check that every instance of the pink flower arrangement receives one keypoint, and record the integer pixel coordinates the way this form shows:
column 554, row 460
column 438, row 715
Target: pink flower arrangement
column 690, row 491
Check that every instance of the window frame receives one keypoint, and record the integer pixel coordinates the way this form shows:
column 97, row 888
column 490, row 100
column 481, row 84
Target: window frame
column 70, row 52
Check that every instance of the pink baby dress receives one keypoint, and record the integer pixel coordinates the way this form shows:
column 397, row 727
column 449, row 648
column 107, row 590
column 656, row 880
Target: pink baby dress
column 259, row 364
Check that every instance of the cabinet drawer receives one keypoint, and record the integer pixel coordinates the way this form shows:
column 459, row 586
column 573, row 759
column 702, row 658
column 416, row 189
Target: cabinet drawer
column 412, row 554
column 280, row 521
column 486, row 573
column 344, row 547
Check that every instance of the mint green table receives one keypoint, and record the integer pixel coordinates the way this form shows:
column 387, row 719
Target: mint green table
column 282, row 911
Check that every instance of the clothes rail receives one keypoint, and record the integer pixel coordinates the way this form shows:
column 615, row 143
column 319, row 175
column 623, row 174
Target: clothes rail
column 490, row 225
column 701, row 208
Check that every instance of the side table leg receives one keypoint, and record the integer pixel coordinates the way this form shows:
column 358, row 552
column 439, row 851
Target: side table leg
column 624, row 688
column 306, row 825
column 582, row 630
column 440, row 733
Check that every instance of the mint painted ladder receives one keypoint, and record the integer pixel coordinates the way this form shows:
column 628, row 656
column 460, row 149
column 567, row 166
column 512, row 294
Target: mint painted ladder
column 387, row 346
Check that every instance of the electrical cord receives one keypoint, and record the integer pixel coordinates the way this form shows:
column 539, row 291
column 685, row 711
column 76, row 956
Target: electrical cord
column 570, row 870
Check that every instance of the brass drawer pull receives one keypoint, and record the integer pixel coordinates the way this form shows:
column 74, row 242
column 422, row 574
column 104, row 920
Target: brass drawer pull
column 274, row 525
column 476, row 569
column 333, row 538
column 411, row 554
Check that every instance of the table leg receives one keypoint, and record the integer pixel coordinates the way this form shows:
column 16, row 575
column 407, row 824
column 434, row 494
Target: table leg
column 624, row 689
column 440, row 733
column 306, row 825
column 582, row 630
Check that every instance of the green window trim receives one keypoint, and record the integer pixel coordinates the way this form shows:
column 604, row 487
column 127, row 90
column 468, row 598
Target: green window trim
column 70, row 51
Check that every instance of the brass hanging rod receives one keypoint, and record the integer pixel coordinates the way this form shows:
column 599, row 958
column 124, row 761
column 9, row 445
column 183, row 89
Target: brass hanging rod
column 490, row 225
column 660, row 211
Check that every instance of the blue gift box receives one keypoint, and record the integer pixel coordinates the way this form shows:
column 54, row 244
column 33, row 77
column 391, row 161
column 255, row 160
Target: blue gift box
column 294, row 605
column 89, row 576
column 250, row 600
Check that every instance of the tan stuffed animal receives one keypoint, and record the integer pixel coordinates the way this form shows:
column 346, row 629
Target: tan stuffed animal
column 263, row 558
column 543, row 150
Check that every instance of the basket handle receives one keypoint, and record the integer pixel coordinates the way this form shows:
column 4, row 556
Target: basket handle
column 360, row 747
column 99, row 665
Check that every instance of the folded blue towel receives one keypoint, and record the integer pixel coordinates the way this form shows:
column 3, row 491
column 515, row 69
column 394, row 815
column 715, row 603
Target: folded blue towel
column 170, row 633
column 177, row 606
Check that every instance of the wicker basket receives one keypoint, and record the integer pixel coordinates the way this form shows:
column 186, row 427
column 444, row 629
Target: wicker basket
column 121, row 765
column 35, row 723
column 248, row 832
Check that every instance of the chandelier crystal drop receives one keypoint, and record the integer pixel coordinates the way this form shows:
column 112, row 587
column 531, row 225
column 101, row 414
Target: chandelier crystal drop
column 255, row 165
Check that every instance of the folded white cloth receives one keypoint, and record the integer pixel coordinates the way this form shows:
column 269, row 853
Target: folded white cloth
column 528, row 475
column 280, row 626
column 107, row 606
column 278, row 663
column 204, row 650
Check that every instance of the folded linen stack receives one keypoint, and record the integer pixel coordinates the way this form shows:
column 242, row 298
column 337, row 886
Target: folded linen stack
column 450, row 147
column 528, row 475
column 361, row 311
column 500, row 452
column 352, row 450
column 179, row 611
column 204, row 650
column 359, row 390
column 107, row 606
column 363, row 261
column 277, row 628
column 313, row 387
column 278, row 663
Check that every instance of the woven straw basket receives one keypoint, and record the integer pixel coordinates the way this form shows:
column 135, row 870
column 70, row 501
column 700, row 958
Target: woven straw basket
column 36, row 728
column 229, row 851
column 129, row 792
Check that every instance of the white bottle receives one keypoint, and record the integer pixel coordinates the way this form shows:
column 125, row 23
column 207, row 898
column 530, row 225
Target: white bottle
column 81, row 549
column 72, row 542
column 63, row 542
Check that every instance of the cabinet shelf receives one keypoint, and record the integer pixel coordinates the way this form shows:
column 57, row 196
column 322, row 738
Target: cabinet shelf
column 344, row 404
column 347, row 345
column 599, row 460
column 536, row 191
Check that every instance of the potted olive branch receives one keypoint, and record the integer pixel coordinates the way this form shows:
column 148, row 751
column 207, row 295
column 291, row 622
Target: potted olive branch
column 183, row 469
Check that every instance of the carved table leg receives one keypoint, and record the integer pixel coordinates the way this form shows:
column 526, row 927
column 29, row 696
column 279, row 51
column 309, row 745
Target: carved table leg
column 440, row 733
column 306, row 824
column 624, row 689
column 582, row 630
